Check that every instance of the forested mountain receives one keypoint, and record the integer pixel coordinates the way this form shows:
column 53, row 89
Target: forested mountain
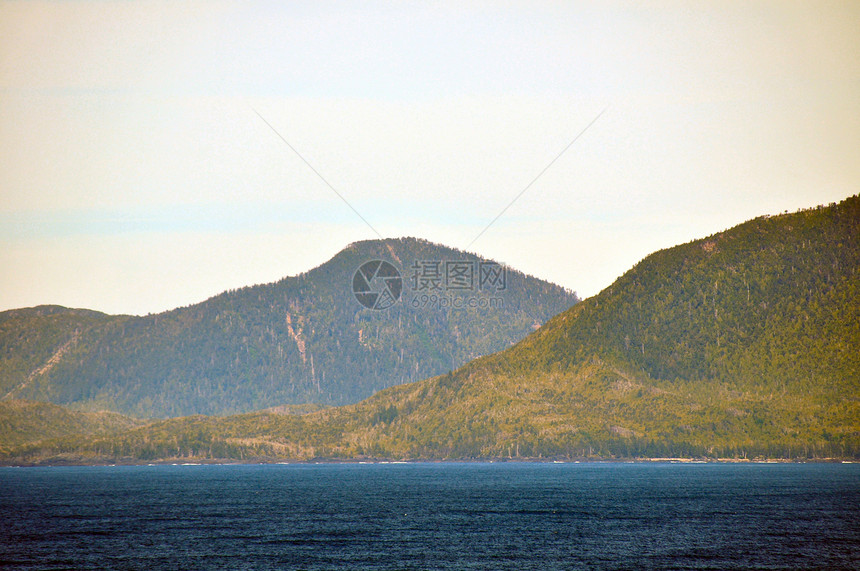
column 743, row 344
column 302, row 339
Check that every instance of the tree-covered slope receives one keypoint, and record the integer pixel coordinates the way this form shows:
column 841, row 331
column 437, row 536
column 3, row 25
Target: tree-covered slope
column 33, row 340
column 302, row 339
column 770, row 303
column 23, row 423
column 742, row 344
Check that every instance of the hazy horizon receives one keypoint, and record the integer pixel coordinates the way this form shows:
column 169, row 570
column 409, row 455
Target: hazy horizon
column 138, row 176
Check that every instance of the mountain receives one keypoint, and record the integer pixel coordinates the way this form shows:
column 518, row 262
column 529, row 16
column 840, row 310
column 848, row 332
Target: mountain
column 33, row 340
column 739, row 345
column 744, row 343
column 303, row 339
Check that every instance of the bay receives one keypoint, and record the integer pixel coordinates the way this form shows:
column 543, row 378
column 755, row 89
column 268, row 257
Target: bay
column 432, row 516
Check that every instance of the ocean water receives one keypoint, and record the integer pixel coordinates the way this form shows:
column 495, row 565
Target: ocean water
column 432, row 516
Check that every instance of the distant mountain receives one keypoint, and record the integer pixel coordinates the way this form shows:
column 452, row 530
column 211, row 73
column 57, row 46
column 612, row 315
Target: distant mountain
column 34, row 340
column 303, row 339
column 739, row 345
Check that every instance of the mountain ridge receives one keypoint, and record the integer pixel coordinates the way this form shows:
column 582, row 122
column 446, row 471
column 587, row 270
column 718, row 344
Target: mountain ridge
column 301, row 339
column 615, row 376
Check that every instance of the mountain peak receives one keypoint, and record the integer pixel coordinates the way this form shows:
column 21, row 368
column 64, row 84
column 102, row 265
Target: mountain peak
column 307, row 338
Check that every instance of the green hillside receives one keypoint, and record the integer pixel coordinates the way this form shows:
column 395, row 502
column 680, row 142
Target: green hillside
column 770, row 303
column 33, row 340
column 303, row 339
column 740, row 345
column 23, row 423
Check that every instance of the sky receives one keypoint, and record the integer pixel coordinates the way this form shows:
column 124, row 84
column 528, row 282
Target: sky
column 154, row 154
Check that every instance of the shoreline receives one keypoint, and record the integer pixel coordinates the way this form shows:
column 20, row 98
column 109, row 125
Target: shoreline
column 286, row 462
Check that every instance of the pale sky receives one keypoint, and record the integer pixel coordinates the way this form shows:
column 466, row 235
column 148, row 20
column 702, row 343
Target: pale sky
column 136, row 175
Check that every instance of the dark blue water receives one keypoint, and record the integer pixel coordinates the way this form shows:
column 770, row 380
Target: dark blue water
column 432, row 516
